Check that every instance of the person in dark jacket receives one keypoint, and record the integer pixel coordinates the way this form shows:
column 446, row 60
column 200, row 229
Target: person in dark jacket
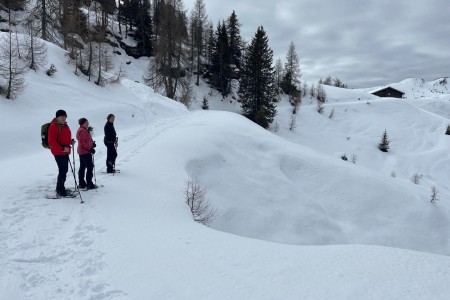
column 85, row 150
column 60, row 142
column 110, row 141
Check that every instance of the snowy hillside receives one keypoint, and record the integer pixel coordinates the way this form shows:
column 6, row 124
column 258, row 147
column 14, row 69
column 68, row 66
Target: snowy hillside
column 418, row 88
column 294, row 221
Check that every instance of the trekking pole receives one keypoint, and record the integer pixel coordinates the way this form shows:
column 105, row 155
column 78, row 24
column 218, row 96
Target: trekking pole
column 115, row 148
column 77, row 188
column 95, row 177
column 73, row 157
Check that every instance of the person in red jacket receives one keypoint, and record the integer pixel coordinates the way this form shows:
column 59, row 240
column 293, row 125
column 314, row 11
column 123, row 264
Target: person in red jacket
column 85, row 150
column 60, row 142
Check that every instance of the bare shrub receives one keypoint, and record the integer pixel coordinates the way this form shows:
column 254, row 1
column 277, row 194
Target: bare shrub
column 195, row 198
column 331, row 116
column 434, row 195
column 416, row 178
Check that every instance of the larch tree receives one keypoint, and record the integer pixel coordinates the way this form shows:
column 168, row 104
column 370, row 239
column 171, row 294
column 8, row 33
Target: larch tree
column 168, row 68
column 12, row 68
column 291, row 77
column 198, row 25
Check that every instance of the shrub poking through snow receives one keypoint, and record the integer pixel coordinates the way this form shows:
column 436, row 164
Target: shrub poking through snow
column 416, row 178
column 434, row 195
column 205, row 103
column 51, row 70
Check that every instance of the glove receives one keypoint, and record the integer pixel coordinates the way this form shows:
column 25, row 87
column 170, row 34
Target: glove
column 92, row 151
column 94, row 145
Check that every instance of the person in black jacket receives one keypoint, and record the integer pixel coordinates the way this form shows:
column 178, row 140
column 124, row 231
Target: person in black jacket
column 110, row 141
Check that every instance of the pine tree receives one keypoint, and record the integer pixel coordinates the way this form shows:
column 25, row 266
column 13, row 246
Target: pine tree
column 235, row 41
column 13, row 4
column 257, row 90
column 384, row 144
column 205, row 103
column 447, row 132
column 144, row 29
column 220, row 66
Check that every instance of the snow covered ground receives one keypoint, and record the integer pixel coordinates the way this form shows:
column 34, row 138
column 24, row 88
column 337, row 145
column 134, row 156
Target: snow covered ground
column 294, row 221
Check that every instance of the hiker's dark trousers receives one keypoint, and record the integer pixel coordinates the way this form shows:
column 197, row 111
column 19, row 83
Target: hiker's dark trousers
column 63, row 166
column 111, row 154
column 86, row 165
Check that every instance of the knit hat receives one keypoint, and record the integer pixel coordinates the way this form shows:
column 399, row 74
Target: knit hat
column 60, row 113
column 110, row 116
column 82, row 121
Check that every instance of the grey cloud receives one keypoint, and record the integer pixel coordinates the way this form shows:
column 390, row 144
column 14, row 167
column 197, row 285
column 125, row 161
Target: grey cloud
column 365, row 43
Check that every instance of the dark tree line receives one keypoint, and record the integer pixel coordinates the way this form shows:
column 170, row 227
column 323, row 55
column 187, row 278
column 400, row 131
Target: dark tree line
column 180, row 45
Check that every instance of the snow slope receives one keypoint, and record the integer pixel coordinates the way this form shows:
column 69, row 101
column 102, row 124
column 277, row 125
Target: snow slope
column 294, row 221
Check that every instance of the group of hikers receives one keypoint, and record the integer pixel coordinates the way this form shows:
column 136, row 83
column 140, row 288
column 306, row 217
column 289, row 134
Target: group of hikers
column 61, row 144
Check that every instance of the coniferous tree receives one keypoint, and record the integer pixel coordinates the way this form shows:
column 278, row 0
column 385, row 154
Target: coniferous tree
column 107, row 8
column 447, row 132
column 13, row 4
column 144, row 29
column 384, row 144
column 73, row 22
column 220, row 65
column 235, row 42
column 128, row 11
column 205, row 103
column 257, row 90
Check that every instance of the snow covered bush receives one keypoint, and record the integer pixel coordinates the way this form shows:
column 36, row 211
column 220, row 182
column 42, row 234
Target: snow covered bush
column 51, row 70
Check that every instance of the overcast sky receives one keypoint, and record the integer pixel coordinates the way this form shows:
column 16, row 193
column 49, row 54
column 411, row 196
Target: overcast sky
column 365, row 43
